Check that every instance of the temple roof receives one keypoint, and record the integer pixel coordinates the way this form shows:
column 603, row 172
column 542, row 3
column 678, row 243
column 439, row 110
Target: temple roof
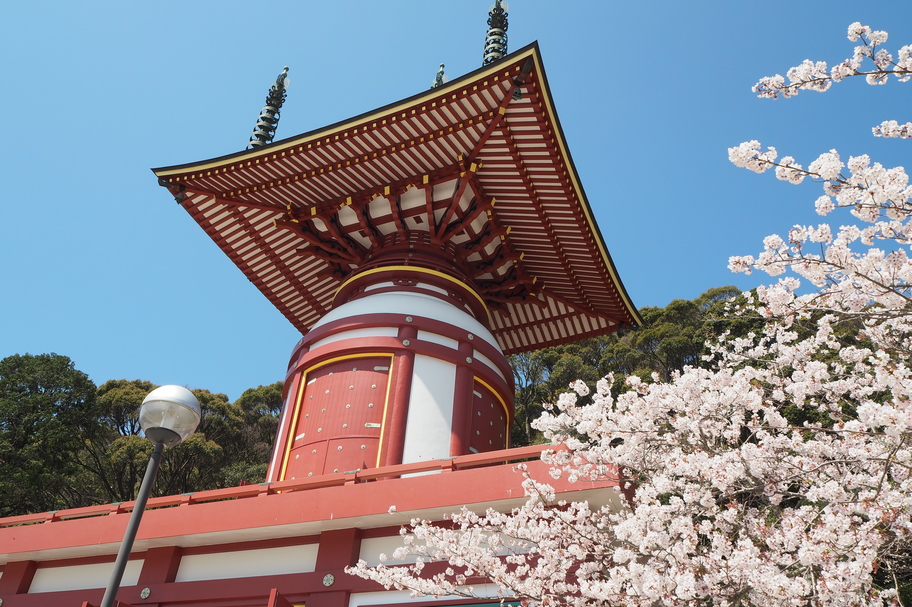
column 474, row 166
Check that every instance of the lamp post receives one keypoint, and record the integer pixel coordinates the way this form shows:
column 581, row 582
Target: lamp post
column 168, row 415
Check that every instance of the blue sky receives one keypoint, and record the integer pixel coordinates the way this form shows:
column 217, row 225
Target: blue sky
column 99, row 264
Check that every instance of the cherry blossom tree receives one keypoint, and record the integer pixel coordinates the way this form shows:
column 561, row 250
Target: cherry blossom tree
column 781, row 476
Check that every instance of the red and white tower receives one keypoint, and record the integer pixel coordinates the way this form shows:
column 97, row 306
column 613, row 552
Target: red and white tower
column 414, row 247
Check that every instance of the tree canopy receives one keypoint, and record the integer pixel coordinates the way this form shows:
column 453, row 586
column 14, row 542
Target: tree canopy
column 670, row 339
column 65, row 443
column 48, row 410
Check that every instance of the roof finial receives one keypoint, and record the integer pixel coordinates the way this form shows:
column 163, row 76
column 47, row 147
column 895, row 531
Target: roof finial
column 266, row 124
column 496, row 40
column 440, row 80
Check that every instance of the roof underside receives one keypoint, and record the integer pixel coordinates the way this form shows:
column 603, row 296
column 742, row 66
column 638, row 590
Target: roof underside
column 465, row 165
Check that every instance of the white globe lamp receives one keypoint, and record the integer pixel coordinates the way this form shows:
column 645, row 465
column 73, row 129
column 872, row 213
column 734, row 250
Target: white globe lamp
column 169, row 415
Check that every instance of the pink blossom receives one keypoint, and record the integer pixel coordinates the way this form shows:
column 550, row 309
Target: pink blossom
column 732, row 504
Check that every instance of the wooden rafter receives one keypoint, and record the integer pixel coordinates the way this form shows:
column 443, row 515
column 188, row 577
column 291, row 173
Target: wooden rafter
column 472, row 135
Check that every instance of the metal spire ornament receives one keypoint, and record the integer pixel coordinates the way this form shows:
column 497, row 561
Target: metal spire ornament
column 265, row 128
column 496, row 40
column 441, row 79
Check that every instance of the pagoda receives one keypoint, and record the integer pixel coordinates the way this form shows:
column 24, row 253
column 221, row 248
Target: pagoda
column 414, row 247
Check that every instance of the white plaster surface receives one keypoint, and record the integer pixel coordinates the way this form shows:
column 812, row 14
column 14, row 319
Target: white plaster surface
column 436, row 338
column 430, row 414
column 247, row 563
column 488, row 363
column 417, row 304
column 373, row 547
column 356, row 333
column 358, row 599
column 82, row 577
column 286, row 407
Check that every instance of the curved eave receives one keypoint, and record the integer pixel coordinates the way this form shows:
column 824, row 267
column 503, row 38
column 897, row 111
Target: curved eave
column 225, row 179
column 636, row 319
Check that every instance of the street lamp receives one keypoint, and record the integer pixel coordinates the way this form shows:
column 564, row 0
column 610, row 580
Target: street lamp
column 168, row 415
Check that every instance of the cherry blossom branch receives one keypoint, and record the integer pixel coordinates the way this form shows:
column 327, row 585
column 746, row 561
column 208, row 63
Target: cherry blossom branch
column 815, row 76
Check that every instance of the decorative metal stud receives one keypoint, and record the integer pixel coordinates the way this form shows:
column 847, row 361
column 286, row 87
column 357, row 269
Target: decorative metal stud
column 469, row 359
column 145, row 593
column 329, row 578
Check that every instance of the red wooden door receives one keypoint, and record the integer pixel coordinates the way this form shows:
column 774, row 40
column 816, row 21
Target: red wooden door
column 340, row 417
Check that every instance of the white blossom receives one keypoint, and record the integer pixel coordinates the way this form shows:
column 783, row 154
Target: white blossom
column 728, row 503
column 891, row 128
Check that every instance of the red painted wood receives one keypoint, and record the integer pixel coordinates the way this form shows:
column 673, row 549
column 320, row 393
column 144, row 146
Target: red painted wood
column 300, row 358
column 489, row 424
column 339, row 418
column 160, row 565
column 337, row 598
column 462, row 402
column 338, row 549
column 277, row 600
column 396, row 419
column 362, row 499
column 382, row 155
column 236, row 592
column 17, row 577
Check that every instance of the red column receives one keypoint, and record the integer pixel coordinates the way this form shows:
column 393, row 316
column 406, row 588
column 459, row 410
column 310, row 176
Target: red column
column 462, row 402
column 160, row 565
column 338, row 549
column 397, row 417
column 17, row 577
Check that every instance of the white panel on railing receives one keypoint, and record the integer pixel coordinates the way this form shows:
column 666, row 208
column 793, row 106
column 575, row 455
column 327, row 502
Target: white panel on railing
column 247, row 563
column 82, row 577
column 373, row 547
column 358, row 599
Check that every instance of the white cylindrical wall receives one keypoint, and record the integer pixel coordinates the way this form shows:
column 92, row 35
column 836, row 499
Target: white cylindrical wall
column 430, row 414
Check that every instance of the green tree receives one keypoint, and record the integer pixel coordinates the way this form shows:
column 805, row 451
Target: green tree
column 232, row 443
column 48, row 409
column 670, row 339
column 113, row 461
column 260, row 407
